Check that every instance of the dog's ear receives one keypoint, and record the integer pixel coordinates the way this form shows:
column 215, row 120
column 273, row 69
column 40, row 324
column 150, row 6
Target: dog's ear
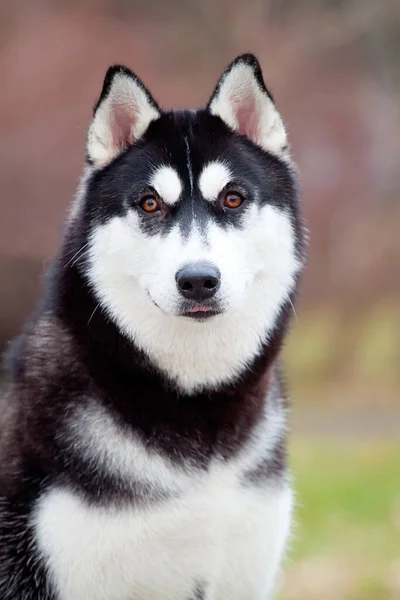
column 122, row 114
column 243, row 102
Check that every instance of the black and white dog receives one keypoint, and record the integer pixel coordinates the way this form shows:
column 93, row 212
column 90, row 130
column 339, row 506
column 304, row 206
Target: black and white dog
column 142, row 448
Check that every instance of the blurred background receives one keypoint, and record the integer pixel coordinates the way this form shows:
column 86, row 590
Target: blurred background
column 333, row 67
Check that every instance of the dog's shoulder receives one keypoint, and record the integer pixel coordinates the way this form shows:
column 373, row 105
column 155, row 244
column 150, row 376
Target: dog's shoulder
column 43, row 371
column 43, row 353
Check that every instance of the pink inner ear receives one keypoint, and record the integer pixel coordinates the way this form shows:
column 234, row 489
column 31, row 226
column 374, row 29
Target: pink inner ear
column 247, row 115
column 123, row 125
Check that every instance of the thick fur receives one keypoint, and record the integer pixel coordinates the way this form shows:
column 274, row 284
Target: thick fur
column 142, row 450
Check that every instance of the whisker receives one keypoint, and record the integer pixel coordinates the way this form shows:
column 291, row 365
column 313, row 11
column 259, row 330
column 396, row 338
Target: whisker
column 92, row 315
column 294, row 310
column 76, row 256
column 79, row 257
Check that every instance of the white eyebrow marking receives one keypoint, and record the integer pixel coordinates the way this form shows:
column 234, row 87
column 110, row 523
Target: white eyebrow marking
column 166, row 182
column 213, row 178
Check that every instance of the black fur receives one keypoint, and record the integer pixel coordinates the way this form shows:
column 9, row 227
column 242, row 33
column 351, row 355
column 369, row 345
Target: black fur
column 71, row 351
column 121, row 185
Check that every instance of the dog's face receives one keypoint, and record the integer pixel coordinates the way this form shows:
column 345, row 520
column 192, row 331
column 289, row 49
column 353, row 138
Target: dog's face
column 191, row 216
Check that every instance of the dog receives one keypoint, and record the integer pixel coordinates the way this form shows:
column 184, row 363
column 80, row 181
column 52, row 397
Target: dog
column 142, row 448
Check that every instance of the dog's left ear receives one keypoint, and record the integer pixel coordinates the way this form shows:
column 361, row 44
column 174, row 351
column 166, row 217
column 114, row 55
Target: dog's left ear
column 243, row 102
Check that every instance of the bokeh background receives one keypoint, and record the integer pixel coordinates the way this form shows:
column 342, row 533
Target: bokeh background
column 333, row 67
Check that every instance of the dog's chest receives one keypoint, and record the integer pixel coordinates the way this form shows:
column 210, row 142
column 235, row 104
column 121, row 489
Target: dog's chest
column 217, row 540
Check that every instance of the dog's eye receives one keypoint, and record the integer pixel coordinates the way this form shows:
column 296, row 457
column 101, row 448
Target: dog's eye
column 233, row 200
column 150, row 204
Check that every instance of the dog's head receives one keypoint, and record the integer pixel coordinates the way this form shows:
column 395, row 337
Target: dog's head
column 191, row 218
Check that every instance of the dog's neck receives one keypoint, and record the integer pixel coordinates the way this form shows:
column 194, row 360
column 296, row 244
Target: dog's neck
column 134, row 388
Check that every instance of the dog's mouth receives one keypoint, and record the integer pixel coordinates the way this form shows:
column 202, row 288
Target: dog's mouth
column 200, row 313
column 195, row 311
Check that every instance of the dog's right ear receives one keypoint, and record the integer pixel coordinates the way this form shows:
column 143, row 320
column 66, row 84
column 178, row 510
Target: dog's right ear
column 122, row 114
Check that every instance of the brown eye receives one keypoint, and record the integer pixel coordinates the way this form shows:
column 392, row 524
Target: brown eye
column 150, row 204
column 233, row 200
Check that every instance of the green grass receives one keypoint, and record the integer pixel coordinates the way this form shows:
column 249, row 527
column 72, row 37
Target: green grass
column 346, row 543
column 356, row 356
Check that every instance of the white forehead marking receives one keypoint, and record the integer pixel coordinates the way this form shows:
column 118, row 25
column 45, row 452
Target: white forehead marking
column 214, row 177
column 167, row 184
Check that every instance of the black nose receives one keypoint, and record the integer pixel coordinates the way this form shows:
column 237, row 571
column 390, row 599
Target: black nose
column 198, row 281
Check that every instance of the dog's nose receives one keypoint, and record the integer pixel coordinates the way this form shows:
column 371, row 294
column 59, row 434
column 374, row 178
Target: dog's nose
column 198, row 281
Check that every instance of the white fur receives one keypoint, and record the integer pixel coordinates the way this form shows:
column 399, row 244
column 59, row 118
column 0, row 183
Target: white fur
column 132, row 273
column 246, row 108
column 212, row 529
column 213, row 178
column 120, row 120
column 120, row 453
column 229, row 537
column 167, row 184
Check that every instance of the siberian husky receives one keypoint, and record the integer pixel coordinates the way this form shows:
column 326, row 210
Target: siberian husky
column 142, row 448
